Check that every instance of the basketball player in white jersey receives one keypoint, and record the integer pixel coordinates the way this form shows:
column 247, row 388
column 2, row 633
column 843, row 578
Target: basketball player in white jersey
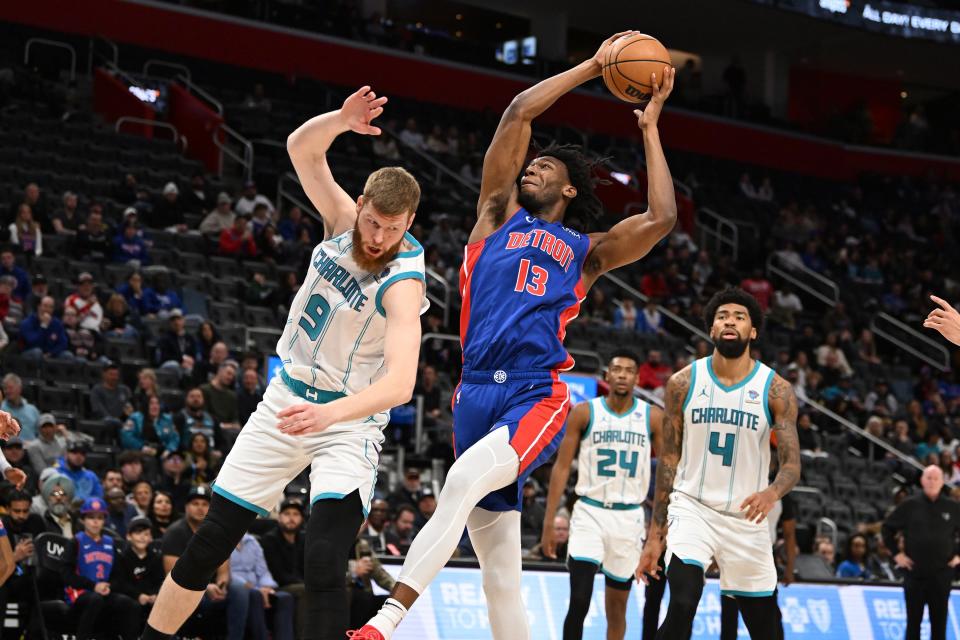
column 349, row 350
column 614, row 435
column 712, row 492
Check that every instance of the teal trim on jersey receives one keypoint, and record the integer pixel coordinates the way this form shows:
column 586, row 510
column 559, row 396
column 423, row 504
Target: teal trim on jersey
column 633, row 407
column 328, row 495
column 240, row 501
column 756, row 367
column 693, row 384
column 649, row 432
column 356, row 347
column 403, row 275
column 706, row 451
column 613, row 577
column 766, row 396
column 615, row 506
column 417, row 247
column 590, row 560
column 746, row 594
column 733, row 468
column 695, row 563
column 308, row 393
column 590, row 423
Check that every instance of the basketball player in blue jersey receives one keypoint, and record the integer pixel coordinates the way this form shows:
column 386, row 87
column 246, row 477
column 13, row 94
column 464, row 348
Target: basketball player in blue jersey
column 522, row 281
column 349, row 351
column 614, row 436
column 712, row 492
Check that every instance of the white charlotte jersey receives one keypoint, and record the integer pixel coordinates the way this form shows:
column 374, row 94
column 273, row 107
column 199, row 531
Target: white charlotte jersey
column 726, row 437
column 334, row 337
column 614, row 463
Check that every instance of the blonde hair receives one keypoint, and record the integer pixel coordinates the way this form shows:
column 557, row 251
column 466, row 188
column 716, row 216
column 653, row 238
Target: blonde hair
column 392, row 191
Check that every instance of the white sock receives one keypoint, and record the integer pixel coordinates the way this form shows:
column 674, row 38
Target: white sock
column 388, row 618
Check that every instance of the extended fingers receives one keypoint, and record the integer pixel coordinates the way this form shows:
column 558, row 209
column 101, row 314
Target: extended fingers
column 292, row 410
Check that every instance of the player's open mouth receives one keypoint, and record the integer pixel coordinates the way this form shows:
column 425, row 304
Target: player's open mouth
column 526, row 183
column 730, row 334
column 373, row 251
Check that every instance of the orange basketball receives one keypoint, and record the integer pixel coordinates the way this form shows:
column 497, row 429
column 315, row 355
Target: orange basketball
column 629, row 63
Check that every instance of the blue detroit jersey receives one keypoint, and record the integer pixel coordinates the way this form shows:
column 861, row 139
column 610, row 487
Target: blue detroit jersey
column 521, row 286
column 94, row 561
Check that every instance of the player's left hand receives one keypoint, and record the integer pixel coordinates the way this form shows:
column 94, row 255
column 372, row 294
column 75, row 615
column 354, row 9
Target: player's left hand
column 649, row 564
column 601, row 54
column 16, row 477
column 301, row 419
column 9, row 426
column 946, row 320
column 759, row 504
column 648, row 116
column 954, row 561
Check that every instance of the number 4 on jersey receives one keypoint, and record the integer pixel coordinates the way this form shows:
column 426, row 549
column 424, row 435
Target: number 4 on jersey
column 538, row 283
column 726, row 451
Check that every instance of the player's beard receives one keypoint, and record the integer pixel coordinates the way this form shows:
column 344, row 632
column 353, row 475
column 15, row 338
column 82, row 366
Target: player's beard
column 731, row 349
column 364, row 261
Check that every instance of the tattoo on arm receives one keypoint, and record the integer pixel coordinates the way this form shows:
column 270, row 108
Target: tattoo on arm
column 671, row 437
column 783, row 405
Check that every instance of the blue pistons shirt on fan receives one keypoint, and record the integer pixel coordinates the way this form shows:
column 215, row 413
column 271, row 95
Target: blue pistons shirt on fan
column 521, row 287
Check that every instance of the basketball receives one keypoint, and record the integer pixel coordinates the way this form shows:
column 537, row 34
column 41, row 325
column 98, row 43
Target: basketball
column 629, row 63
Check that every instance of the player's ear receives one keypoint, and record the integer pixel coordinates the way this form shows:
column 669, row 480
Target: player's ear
column 359, row 204
column 569, row 191
column 409, row 220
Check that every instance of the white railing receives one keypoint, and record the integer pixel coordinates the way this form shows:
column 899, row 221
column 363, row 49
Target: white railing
column 794, row 273
column 114, row 58
column 244, row 158
column 57, row 44
column 440, row 169
column 445, row 302
column 885, row 326
column 723, row 232
column 285, row 194
column 178, row 139
column 200, row 92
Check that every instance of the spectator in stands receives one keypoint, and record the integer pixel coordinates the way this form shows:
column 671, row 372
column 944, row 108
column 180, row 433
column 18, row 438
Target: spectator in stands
column 23, row 526
column 43, row 334
column 880, row 563
column 260, row 218
column 168, row 211
column 533, row 511
column 401, row 532
column 142, row 300
column 809, row 436
column 650, row 320
column 117, row 320
column 561, row 531
column 167, row 296
column 222, row 592
column 653, row 373
column 161, row 512
column 261, row 292
column 111, row 398
column 13, row 450
column 867, row 348
column 900, row 438
column 9, row 267
column 126, row 191
column 248, row 564
column 129, row 247
column 951, row 473
column 25, row 232
column 11, row 309
column 37, row 201
column 85, row 301
column 85, row 345
column 220, row 218
column 238, row 241
column 68, row 220
column 831, row 356
column 94, row 239
column 385, row 148
column 747, row 189
column 85, row 481
column 221, row 401
column 87, row 584
column 854, row 565
column 151, row 432
column 289, row 225
column 197, row 198
column 49, row 445
column 39, row 290
column 374, row 529
column 881, row 401
column 175, row 478
column 765, row 191
column 203, row 462
column 597, row 308
column 57, row 495
column 426, row 506
column 826, row 551
column 412, row 137
column 193, row 419
column 625, row 314
column 176, row 349
column 248, row 395
column 141, row 497
column 207, row 337
column 363, row 569
column 250, row 199
column 284, row 551
column 472, row 169
column 257, row 100
column 811, row 565
column 427, row 387
column 118, row 511
column 147, row 388
column 409, row 490
column 138, row 569
column 759, row 287
column 930, row 444
column 17, row 406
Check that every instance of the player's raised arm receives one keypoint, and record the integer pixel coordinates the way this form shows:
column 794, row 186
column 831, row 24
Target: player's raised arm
column 576, row 422
column 632, row 238
column 308, row 146
column 668, row 458
column 508, row 150
column 401, row 353
column 783, row 407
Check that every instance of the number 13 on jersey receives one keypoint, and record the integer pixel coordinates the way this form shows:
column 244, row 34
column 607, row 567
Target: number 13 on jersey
column 531, row 278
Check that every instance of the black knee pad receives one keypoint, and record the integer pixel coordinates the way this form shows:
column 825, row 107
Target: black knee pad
column 618, row 585
column 331, row 531
column 686, row 585
column 581, row 584
column 212, row 544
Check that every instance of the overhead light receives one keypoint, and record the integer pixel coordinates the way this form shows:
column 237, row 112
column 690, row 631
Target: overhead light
column 499, row 25
column 458, row 33
column 459, row 16
column 903, row 94
column 419, row 25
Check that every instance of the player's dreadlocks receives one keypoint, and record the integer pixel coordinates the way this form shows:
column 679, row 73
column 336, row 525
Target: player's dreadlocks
column 586, row 206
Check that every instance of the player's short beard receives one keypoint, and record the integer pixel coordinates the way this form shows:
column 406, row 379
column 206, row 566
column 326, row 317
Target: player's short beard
column 731, row 349
column 364, row 261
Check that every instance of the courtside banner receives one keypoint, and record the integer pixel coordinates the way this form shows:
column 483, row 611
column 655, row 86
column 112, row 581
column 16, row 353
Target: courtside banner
column 453, row 608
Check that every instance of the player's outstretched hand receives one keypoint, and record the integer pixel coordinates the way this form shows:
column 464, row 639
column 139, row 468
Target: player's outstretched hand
column 946, row 320
column 9, row 426
column 301, row 419
column 601, row 53
column 648, row 116
column 649, row 564
column 759, row 505
column 359, row 110
column 16, row 477
column 548, row 540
